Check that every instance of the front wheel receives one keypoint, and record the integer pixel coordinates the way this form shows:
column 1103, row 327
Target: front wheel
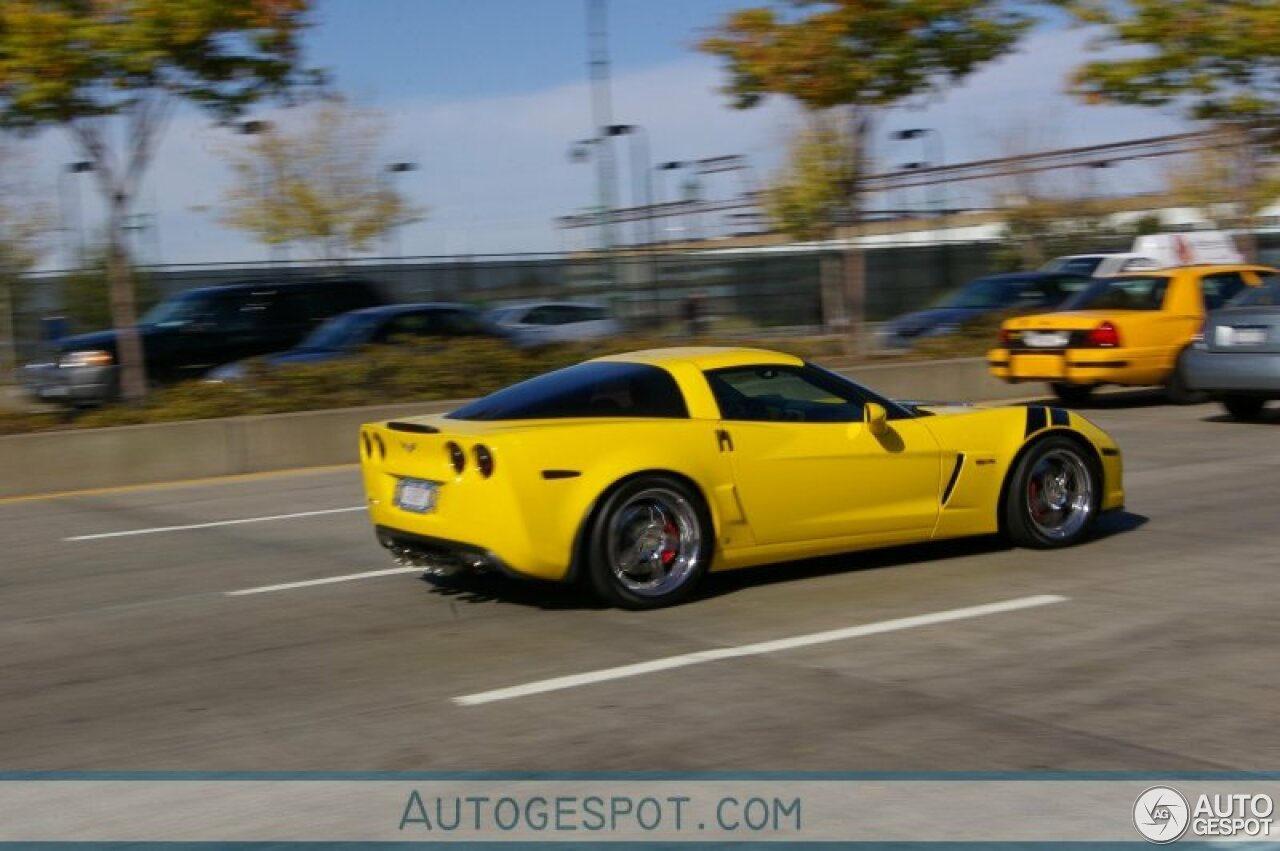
column 1074, row 395
column 649, row 544
column 1053, row 495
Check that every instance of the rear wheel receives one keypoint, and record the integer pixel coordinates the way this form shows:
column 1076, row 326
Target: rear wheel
column 1244, row 407
column 649, row 544
column 1176, row 389
column 1073, row 394
column 1053, row 495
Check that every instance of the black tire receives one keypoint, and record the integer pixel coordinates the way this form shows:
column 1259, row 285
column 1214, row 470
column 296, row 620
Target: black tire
column 1074, row 395
column 1176, row 389
column 1244, row 407
column 1066, row 512
column 665, row 527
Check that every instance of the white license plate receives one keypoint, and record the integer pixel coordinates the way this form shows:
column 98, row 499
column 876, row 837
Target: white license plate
column 416, row 495
column 1233, row 336
column 1046, row 339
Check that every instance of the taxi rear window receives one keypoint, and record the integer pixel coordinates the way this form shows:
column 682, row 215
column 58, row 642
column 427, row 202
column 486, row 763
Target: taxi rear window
column 1128, row 293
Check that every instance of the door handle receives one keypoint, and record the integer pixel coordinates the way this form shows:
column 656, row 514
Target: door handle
column 725, row 441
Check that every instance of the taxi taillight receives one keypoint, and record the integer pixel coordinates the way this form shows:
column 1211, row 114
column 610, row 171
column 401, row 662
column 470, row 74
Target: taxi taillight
column 1105, row 336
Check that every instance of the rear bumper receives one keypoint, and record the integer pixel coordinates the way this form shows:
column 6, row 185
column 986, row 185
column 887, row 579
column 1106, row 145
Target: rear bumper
column 1243, row 372
column 438, row 555
column 1069, row 366
column 77, row 385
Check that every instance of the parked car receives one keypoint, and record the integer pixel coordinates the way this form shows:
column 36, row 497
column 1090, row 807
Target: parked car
column 992, row 294
column 1103, row 265
column 1130, row 330
column 540, row 323
column 1236, row 357
column 345, row 335
column 195, row 331
column 638, row 473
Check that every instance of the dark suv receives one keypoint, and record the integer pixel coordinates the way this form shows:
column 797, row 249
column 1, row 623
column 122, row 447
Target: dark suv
column 194, row 331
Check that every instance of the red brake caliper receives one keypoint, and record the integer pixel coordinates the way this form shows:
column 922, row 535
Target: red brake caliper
column 670, row 535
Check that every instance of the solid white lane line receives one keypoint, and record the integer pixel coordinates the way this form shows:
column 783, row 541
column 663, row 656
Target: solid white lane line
column 328, row 580
column 212, row 524
column 697, row 658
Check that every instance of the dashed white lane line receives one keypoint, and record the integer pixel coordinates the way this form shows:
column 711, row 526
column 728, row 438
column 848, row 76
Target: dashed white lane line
column 701, row 656
column 237, row 522
column 328, row 580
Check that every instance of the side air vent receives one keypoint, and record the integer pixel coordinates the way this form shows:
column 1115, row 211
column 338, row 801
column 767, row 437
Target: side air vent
column 955, row 476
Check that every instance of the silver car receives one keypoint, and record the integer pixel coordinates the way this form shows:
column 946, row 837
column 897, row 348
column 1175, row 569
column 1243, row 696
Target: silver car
column 542, row 323
column 1236, row 357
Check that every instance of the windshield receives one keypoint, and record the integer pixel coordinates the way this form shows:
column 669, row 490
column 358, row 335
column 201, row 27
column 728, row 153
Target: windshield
column 179, row 310
column 1267, row 295
column 982, row 294
column 1145, row 293
column 342, row 332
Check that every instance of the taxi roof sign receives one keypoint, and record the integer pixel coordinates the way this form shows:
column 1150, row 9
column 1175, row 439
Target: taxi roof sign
column 1193, row 248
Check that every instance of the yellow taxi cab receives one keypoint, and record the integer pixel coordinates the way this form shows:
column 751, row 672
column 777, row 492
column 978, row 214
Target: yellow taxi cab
column 1130, row 330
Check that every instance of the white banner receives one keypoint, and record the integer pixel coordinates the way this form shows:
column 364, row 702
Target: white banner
column 766, row 808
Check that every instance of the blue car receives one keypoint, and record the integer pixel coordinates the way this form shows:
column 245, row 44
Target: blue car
column 345, row 335
column 992, row 294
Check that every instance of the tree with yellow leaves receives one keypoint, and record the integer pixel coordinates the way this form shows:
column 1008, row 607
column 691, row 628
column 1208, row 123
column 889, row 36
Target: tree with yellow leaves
column 323, row 185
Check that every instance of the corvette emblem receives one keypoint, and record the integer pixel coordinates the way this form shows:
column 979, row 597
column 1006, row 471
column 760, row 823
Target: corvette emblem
column 408, row 447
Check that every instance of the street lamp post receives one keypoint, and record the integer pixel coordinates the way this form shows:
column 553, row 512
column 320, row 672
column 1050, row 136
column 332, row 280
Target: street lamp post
column 933, row 148
column 394, row 228
column 642, row 177
column 68, row 227
column 255, row 127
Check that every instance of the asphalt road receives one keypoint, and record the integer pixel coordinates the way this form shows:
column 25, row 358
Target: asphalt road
column 128, row 652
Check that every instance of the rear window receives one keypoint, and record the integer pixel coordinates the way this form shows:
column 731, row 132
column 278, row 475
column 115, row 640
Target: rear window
column 597, row 389
column 1266, row 295
column 1085, row 266
column 1146, row 293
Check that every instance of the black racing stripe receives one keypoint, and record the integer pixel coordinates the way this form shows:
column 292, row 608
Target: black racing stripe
column 414, row 428
column 1037, row 418
column 955, row 475
column 1059, row 416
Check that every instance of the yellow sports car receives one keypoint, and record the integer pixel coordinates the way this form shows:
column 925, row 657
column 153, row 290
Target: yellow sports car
column 640, row 472
column 1131, row 330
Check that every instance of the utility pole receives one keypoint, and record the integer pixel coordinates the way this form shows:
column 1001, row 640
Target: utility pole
column 602, row 117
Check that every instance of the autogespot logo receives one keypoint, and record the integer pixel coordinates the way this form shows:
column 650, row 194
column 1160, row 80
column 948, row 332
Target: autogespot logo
column 1161, row 814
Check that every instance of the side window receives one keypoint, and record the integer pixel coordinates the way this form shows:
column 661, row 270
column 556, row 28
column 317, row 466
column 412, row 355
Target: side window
column 1034, row 293
column 291, row 307
column 541, row 316
column 328, row 300
column 458, row 323
column 243, row 311
column 1218, row 289
column 784, row 394
column 406, row 325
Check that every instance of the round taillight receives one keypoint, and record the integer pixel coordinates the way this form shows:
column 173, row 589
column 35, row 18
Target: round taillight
column 365, row 444
column 1105, row 336
column 382, row 447
column 484, row 460
column 457, row 458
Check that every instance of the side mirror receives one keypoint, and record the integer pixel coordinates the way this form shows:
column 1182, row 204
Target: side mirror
column 876, row 418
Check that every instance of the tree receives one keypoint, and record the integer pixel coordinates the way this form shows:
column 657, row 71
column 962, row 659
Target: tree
column 857, row 57
column 1225, row 182
column 325, row 185
column 93, row 67
column 1214, row 60
column 23, row 226
column 806, row 195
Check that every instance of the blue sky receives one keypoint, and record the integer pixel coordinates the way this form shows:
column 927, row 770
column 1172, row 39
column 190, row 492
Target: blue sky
column 487, row 95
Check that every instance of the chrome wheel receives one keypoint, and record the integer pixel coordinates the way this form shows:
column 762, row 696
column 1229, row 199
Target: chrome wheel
column 654, row 542
column 1059, row 494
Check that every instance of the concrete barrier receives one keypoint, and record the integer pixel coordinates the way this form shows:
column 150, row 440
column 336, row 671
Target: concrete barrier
column 59, row 461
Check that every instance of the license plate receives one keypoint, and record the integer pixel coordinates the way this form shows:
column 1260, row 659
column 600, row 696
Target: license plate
column 1046, row 339
column 1234, row 336
column 416, row 495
